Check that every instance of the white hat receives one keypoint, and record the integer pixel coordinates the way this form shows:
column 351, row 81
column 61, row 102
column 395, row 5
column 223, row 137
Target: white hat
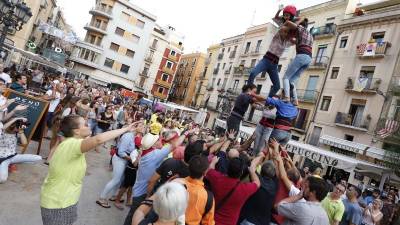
column 148, row 141
column 56, row 81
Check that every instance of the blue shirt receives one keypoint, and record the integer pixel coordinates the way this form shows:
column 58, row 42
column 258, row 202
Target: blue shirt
column 147, row 166
column 283, row 109
column 368, row 200
column 126, row 144
column 352, row 213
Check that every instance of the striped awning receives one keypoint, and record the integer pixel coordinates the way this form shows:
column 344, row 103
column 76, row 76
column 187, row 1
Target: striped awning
column 343, row 144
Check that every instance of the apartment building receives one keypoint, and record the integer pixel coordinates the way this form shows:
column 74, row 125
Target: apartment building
column 115, row 44
column 323, row 21
column 359, row 92
column 191, row 68
column 209, row 76
column 165, row 50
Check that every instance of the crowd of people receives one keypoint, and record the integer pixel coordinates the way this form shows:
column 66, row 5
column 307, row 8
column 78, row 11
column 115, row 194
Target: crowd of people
column 172, row 170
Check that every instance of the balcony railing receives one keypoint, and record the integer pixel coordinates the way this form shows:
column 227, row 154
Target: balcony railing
column 388, row 129
column 149, row 58
column 164, row 83
column 232, row 54
column 144, row 73
column 208, row 60
column 352, row 121
column 228, row 71
column 307, row 96
column 242, row 70
column 324, row 31
column 173, row 58
column 168, row 70
column 300, row 125
column 375, row 49
column 159, row 95
column 256, row 51
column 101, row 10
column 319, row 62
column 396, row 86
column 363, row 85
column 100, row 28
column 220, row 56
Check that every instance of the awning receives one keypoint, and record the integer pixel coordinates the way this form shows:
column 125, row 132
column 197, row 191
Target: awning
column 343, row 144
column 174, row 106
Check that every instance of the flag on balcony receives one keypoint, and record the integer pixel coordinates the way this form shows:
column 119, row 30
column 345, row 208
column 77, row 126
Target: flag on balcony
column 360, row 84
column 391, row 126
column 361, row 49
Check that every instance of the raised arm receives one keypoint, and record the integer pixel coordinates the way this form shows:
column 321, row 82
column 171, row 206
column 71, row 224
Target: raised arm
column 91, row 142
column 252, row 170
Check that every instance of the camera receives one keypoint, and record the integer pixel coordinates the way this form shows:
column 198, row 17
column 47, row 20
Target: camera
column 20, row 123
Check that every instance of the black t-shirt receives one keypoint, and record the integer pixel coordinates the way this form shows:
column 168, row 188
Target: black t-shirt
column 223, row 162
column 242, row 103
column 105, row 126
column 257, row 209
column 170, row 168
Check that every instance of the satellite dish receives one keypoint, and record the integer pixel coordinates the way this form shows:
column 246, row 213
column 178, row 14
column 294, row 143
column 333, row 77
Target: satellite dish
column 59, row 50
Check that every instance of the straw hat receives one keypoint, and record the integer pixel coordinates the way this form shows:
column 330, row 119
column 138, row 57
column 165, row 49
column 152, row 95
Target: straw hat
column 148, row 141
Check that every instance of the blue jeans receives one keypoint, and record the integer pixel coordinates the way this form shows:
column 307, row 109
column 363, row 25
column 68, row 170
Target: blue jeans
column 272, row 69
column 293, row 72
column 245, row 222
column 112, row 186
column 92, row 125
column 281, row 136
column 262, row 136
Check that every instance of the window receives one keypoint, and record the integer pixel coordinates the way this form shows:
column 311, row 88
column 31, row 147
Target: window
column 219, row 81
column 253, row 63
column 247, row 47
column 335, row 72
column 169, row 64
column 279, row 68
column 109, row 63
column 259, row 87
column 135, row 38
column 348, row 137
column 125, row 16
column 343, row 42
column 173, row 53
column 314, row 140
column 263, row 74
column 223, row 50
column 258, row 47
column 124, row 68
column 229, row 49
column 154, row 44
column 326, row 101
column 219, row 64
column 119, row 31
column 130, row 53
column 242, row 63
column 223, row 66
column 160, row 90
column 114, row 47
column 164, row 77
column 235, row 84
column 140, row 24
column 378, row 36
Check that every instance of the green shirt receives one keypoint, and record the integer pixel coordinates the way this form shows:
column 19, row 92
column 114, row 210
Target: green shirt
column 63, row 184
column 334, row 208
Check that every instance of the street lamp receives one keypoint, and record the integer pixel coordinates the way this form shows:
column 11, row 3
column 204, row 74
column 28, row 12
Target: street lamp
column 13, row 15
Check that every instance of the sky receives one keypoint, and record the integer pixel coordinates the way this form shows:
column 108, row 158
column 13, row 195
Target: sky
column 201, row 22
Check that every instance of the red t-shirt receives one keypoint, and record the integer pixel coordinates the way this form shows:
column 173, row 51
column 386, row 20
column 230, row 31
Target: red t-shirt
column 221, row 185
column 281, row 194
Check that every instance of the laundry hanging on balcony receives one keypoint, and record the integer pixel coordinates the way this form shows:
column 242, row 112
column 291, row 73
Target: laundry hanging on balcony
column 360, row 84
column 391, row 126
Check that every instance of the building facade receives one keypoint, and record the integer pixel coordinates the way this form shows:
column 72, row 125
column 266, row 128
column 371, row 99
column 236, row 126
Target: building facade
column 209, row 65
column 115, row 44
column 191, row 68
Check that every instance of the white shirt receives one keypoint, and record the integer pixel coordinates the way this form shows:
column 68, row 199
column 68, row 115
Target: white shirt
column 54, row 103
column 6, row 78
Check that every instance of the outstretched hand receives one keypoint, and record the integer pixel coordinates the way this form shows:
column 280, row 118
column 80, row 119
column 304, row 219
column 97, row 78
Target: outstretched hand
column 232, row 134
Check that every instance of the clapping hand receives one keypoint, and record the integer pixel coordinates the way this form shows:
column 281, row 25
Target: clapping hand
column 231, row 135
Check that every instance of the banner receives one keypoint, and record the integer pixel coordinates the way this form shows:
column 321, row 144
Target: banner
column 69, row 37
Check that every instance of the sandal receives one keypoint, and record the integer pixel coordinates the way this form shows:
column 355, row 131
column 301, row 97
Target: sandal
column 119, row 206
column 103, row 204
column 113, row 199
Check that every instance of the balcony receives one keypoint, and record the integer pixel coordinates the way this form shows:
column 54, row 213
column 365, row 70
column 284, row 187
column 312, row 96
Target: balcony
column 324, row 31
column 144, row 73
column 220, row 56
column 256, row 52
column 168, row 71
column 149, row 59
column 307, row 96
column 208, row 61
column 300, row 125
column 159, row 95
column 388, row 130
column 232, row 54
column 102, row 11
column 154, row 47
column 396, row 86
column 372, row 50
column 173, row 58
column 245, row 53
column 99, row 28
column 210, row 87
column 84, row 62
column 216, row 70
column 352, row 121
column 228, row 71
column 363, row 85
column 319, row 63
column 242, row 71
column 163, row 83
